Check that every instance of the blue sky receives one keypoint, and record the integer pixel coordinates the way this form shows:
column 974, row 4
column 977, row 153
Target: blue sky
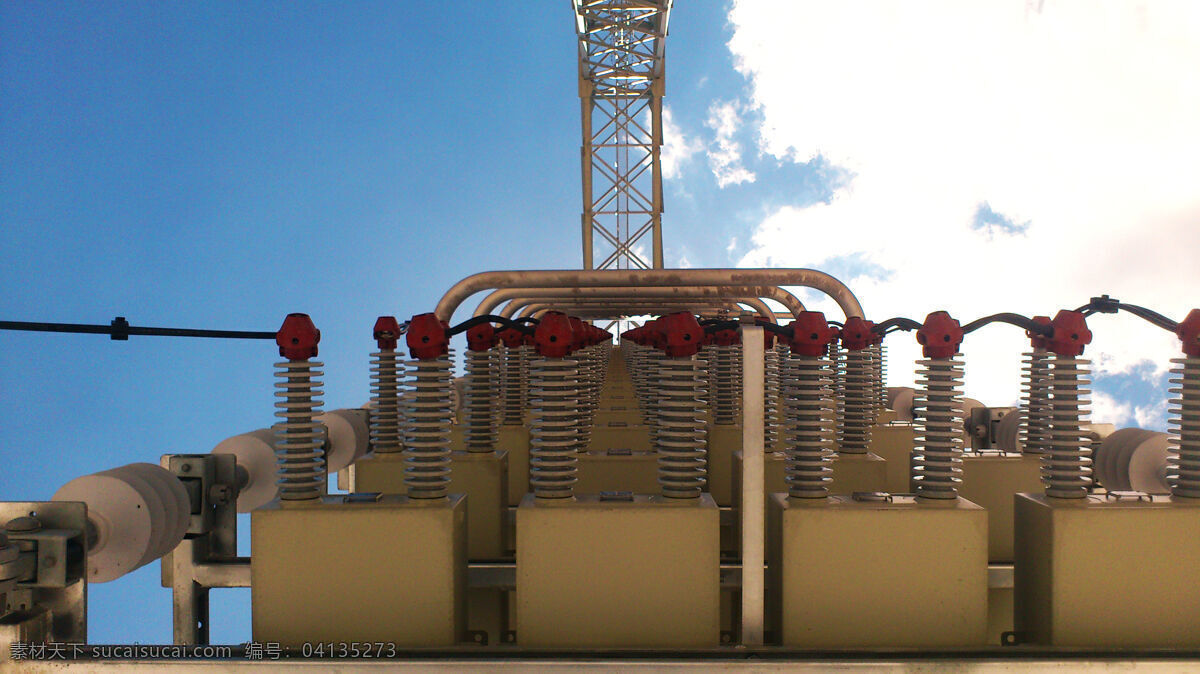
column 222, row 164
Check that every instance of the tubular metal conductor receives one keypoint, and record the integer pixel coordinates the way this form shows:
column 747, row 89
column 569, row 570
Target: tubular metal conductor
column 808, row 435
column 682, row 431
column 1184, row 465
column 514, row 391
column 858, row 401
column 1035, row 398
column 481, row 430
column 553, row 427
column 726, row 398
column 386, row 373
column 299, row 445
column 770, row 398
column 428, row 412
column 938, row 423
column 1066, row 466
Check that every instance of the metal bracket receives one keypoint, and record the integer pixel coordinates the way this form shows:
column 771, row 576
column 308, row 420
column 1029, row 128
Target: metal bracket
column 207, row 556
column 56, row 589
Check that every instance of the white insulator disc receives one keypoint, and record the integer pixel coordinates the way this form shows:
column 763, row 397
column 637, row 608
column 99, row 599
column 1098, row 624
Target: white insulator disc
column 255, row 451
column 1111, row 459
column 348, row 437
column 175, row 498
column 1146, row 466
column 121, row 516
column 902, row 403
column 161, row 521
column 1008, row 432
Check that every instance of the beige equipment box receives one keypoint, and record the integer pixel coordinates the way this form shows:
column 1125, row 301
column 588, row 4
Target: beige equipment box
column 636, row 572
column 894, row 443
column 387, row 568
column 478, row 475
column 723, row 441
column 1115, row 571
column 992, row 479
column 621, row 435
column 513, row 440
column 898, row 572
column 617, row 470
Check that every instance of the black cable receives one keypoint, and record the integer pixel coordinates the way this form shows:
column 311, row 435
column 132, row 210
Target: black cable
column 893, row 324
column 488, row 318
column 1012, row 319
column 1107, row 305
column 120, row 330
column 774, row 328
column 1151, row 316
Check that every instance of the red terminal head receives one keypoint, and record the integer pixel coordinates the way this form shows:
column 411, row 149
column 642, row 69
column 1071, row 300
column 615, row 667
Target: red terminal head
column 578, row 334
column 1071, row 334
column 708, row 339
column 528, row 340
column 386, row 333
column 1189, row 334
column 940, row 335
column 857, row 334
column 768, row 339
column 553, row 336
column 512, row 337
column 481, row 337
column 811, row 334
column 656, row 336
column 682, row 334
column 298, row 337
column 1038, row 341
column 727, row 337
column 427, row 337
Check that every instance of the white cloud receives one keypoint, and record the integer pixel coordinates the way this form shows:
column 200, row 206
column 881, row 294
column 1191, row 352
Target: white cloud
column 1079, row 119
column 725, row 153
column 677, row 148
column 1109, row 410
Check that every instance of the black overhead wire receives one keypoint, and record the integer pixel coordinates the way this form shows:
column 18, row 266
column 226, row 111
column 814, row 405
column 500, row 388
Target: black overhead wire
column 120, row 330
column 1107, row 305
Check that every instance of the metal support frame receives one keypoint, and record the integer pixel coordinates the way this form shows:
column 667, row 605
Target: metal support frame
column 753, row 507
column 621, row 66
column 207, row 556
column 52, row 586
column 659, row 278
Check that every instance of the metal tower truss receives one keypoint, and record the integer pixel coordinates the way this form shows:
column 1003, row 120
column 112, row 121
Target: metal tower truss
column 621, row 64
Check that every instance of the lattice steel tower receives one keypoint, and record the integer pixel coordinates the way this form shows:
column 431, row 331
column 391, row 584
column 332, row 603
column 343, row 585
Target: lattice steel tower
column 621, row 62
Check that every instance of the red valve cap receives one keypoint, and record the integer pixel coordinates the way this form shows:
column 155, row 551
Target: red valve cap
column 298, row 337
column 481, row 337
column 1038, row 341
column 578, row 334
column 1071, row 334
column 811, row 334
column 940, row 336
column 512, row 337
column 427, row 338
column 1189, row 334
column 386, row 333
column 727, row 337
column 857, row 334
column 682, row 333
column 552, row 339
